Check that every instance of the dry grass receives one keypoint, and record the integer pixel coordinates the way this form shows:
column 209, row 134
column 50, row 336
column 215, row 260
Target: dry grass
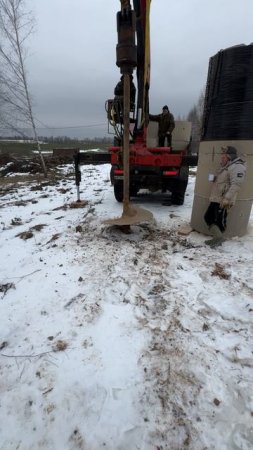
column 60, row 346
column 220, row 272
column 76, row 205
column 38, row 227
column 25, row 235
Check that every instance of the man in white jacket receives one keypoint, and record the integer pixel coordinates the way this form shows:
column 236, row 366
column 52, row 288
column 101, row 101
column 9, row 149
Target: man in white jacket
column 226, row 185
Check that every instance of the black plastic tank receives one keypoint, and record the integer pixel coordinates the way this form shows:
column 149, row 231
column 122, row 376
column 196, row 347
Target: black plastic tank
column 228, row 108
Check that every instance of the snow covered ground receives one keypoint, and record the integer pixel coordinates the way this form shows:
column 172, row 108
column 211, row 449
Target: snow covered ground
column 120, row 341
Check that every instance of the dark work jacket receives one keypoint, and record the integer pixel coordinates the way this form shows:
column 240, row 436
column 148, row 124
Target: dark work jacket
column 119, row 90
column 166, row 123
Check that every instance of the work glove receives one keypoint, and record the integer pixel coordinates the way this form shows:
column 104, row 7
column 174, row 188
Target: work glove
column 226, row 204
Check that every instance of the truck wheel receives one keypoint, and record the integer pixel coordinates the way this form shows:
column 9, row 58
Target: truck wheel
column 112, row 174
column 177, row 198
column 178, row 193
column 133, row 191
column 118, row 191
column 184, row 174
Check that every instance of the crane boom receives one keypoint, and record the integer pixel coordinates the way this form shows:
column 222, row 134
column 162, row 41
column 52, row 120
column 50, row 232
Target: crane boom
column 142, row 11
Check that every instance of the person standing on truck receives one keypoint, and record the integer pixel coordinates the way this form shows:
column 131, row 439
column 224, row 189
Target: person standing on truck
column 166, row 125
column 226, row 185
column 119, row 92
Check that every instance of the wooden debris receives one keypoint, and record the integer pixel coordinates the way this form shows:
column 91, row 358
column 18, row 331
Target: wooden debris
column 185, row 230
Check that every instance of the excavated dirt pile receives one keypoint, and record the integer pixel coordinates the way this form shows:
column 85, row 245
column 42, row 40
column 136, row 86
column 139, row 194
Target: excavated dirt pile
column 12, row 164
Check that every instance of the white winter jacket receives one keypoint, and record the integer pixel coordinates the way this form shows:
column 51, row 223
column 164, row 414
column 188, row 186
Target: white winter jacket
column 228, row 181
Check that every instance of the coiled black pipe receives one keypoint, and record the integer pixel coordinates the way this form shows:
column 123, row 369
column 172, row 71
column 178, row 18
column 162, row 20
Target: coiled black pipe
column 228, row 107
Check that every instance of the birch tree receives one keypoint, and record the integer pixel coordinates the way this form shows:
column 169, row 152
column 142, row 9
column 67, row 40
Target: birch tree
column 16, row 25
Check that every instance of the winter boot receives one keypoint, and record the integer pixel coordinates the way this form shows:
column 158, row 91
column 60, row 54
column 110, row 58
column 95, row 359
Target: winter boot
column 218, row 238
column 216, row 232
column 215, row 242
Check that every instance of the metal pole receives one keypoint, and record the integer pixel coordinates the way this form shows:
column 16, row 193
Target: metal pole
column 77, row 174
column 126, row 122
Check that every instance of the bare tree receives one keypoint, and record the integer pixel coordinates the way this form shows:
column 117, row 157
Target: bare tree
column 16, row 25
column 195, row 116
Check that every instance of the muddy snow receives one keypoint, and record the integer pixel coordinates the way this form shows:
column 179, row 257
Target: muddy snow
column 119, row 341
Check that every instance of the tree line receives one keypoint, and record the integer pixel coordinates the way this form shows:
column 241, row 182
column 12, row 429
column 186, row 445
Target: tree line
column 60, row 139
column 195, row 116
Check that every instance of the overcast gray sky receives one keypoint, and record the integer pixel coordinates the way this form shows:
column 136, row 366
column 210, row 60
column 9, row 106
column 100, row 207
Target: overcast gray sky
column 72, row 69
